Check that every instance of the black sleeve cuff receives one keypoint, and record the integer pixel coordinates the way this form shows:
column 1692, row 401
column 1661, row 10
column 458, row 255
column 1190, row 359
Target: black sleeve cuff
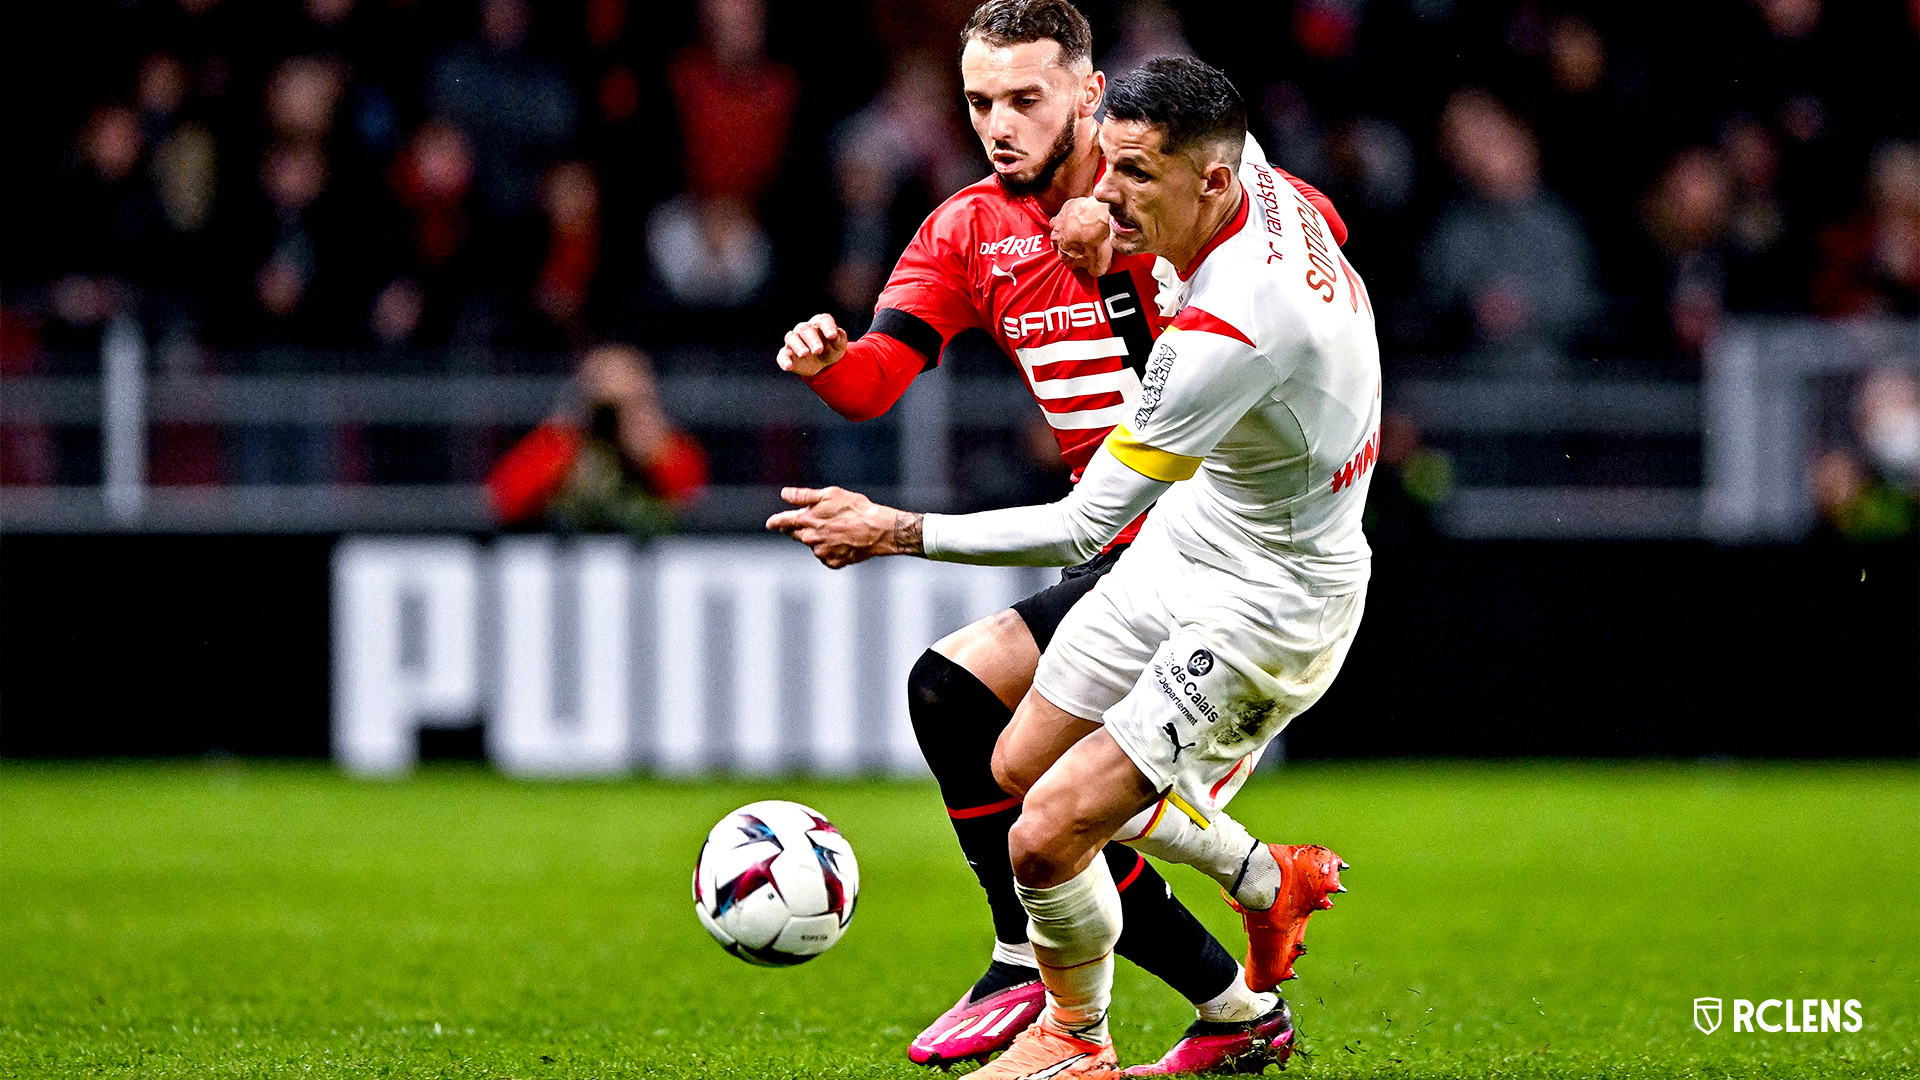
column 910, row 330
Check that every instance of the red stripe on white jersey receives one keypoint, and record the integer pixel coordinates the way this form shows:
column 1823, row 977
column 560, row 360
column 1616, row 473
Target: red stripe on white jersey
column 1194, row 319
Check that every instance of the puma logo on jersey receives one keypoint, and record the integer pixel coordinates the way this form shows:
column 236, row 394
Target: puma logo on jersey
column 1001, row 271
column 1173, row 736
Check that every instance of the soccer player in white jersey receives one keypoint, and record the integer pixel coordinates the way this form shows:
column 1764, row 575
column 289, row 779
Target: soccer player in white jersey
column 1079, row 325
column 1256, row 429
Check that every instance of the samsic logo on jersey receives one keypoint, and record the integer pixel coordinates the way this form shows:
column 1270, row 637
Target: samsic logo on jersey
column 1021, row 246
column 1090, row 313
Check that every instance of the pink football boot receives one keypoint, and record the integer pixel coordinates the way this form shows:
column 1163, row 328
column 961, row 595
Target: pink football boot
column 971, row 1030
column 1215, row 1048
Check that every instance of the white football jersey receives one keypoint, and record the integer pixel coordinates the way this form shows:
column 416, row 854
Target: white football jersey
column 1257, row 422
column 1268, row 381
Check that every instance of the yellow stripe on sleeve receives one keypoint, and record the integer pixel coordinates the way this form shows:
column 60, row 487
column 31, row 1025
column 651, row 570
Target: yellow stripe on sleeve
column 1148, row 462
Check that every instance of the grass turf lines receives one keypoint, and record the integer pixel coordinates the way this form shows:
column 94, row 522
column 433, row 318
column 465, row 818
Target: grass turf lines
column 1550, row 920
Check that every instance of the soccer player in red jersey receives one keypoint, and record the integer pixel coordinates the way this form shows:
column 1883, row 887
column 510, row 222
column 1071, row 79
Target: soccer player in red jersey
column 1080, row 339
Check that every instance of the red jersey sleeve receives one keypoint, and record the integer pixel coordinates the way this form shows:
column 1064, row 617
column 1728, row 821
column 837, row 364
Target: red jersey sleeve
column 927, row 300
column 870, row 377
column 1321, row 203
column 929, row 297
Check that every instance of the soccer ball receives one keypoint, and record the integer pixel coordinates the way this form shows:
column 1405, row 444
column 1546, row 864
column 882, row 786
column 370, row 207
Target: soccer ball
column 775, row 883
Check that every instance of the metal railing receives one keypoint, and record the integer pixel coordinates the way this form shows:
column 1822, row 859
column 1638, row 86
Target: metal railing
column 126, row 403
column 1745, row 429
column 1760, row 408
column 1546, row 409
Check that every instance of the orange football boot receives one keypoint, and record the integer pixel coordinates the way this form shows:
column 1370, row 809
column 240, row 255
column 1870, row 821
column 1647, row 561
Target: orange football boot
column 1041, row 1053
column 1309, row 876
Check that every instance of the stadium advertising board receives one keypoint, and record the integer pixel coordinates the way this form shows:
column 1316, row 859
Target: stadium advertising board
column 597, row 657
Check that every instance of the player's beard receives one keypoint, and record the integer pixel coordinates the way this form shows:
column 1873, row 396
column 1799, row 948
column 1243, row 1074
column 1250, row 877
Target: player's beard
column 1057, row 155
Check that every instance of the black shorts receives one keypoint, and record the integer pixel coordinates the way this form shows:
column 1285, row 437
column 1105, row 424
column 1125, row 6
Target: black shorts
column 1044, row 609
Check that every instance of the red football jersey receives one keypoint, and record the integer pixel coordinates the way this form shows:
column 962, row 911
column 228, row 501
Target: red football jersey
column 986, row 259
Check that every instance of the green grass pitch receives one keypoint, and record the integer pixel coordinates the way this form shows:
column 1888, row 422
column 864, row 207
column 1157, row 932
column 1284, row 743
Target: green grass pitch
column 1551, row 920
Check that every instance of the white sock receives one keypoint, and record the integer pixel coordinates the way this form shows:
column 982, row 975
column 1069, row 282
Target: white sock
column 1224, row 851
column 1074, row 926
column 1237, row 1004
column 1021, row 954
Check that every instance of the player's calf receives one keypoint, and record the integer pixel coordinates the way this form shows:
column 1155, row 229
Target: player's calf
column 957, row 718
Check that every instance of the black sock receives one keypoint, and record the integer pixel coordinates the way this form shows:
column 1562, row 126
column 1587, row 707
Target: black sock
column 957, row 720
column 984, row 840
column 1162, row 936
column 999, row 976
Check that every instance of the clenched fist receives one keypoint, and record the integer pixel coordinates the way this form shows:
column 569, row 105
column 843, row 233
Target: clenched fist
column 1083, row 234
column 812, row 346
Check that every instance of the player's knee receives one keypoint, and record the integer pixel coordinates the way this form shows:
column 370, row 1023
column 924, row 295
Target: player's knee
column 997, row 650
column 1001, row 630
column 1048, row 842
column 926, row 683
column 1035, row 850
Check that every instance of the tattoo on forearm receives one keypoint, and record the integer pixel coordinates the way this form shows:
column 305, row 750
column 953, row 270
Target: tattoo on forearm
column 906, row 532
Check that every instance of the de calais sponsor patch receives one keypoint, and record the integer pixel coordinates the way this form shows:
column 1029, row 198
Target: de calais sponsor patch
column 1177, row 681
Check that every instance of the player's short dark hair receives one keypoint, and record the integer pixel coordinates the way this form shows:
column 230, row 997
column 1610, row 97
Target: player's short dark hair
column 1016, row 22
column 1192, row 105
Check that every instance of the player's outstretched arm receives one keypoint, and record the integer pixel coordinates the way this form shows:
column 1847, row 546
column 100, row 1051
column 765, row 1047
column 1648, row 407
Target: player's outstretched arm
column 812, row 346
column 845, row 527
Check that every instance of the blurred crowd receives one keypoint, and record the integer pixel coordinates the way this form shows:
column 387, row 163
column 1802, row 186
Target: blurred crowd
column 1535, row 187
column 1528, row 181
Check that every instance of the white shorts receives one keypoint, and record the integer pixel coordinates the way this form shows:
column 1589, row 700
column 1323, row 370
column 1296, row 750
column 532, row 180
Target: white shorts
column 1193, row 670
